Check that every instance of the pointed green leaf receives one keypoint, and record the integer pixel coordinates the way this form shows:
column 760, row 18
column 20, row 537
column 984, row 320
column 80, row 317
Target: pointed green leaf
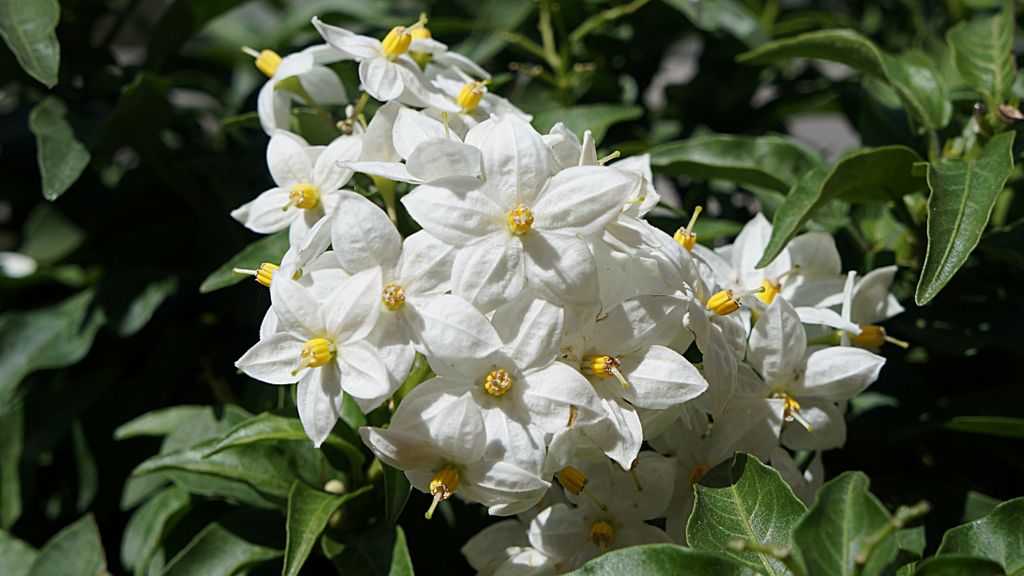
column 143, row 306
column 308, row 513
column 597, row 118
column 29, row 30
column 219, row 550
column 978, row 505
column 74, row 551
column 12, row 430
column 268, row 249
column 149, row 525
column 773, row 162
column 17, row 555
column 998, row 537
column 396, row 493
column 48, row 236
column 61, row 157
column 990, row 425
column 379, row 551
column 983, row 52
column 662, row 560
column 743, row 499
column 201, row 422
column 957, row 565
column 883, row 173
column 731, row 16
column 833, row 532
column 963, row 193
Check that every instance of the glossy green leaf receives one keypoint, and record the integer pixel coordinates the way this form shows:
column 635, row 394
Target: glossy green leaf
column 661, row 560
column 309, row 510
column 219, row 550
column 48, row 235
column 978, row 505
column 983, row 52
column 743, row 499
column 989, row 425
column 143, row 306
column 772, row 162
column 52, row 337
column 61, row 157
column 268, row 249
column 29, row 30
column 963, row 193
column 875, row 174
column 74, row 551
column 12, row 430
column 998, row 537
column 730, row 16
column 396, row 493
column 957, row 565
column 268, row 427
column 597, row 118
column 186, row 424
column 17, row 556
column 379, row 551
column 149, row 525
column 833, row 532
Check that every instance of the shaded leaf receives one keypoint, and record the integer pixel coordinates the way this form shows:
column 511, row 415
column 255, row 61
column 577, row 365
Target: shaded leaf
column 29, row 30
column 17, row 555
column 88, row 476
column 269, row 249
column 268, row 427
column 728, row 15
column 379, row 551
column 597, row 118
column 997, row 537
column 74, row 551
column 957, row 566
column 61, row 157
column 396, row 493
column 219, row 550
column 181, row 20
column 983, row 52
column 963, row 193
column 308, row 513
column 978, row 505
column 661, row 559
column 142, row 308
column 149, row 524
column 48, row 235
column 988, row 425
column 12, row 430
column 194, row 423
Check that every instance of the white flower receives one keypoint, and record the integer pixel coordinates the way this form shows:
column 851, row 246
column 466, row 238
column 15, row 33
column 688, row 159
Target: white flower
column 322, row 347
column 307, row 68
column 475, row 102
column 865, row 304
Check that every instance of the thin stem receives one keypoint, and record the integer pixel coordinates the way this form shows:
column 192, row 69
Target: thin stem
column 903, row 515
column 547, row 36
column 521, row 41
column 604, row 17
column 780, row 553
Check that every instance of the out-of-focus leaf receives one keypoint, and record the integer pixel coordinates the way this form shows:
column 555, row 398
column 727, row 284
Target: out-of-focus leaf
column 74, row 551
column 910, row 543
column 662, row 560
column 17, row 555
column 983, row 52
column 831, row 535
column 61, row 157
column 772, row 162
column 52, row 337
column 29, row 30
column 743, row 499
column 1006, row 243
column 12, row 430
column 308, row 513
column 997, row 537
column 978, row 505
column 988, row 425
column 269, row 427
column 883, row 173
column 145, row 305
column 963, row 193
column 49, row 236
column 148, row 526
column 88, row 476
column 730, row 16
column 379, row 550
column 492, row 15
column 269, row 249
column 200, row 423
column 957, row 565
column 396, row 493
column 181, row 20
column 219, row 550
column 597, row 118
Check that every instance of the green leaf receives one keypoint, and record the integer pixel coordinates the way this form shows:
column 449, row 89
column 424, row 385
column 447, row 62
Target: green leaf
column 308, row 513
column 17, row 555
column 49, row 236
column 957, row 566
column 963, row 193
column 772, row 162
column 491, row 15
column 269, row 249
column 74, row 551
column 883, row 173
column 998, row 537
column 396, row 493
column 597, row 118
column 978, row 505
column 379, row 551
column 12, row 430
column 832, row 533
column 268, row 427
column 983, row 52
column 149, row 525
column 191, row 423
column 661, row 560
column 745, row 500
column 88, row 476
column 52, row 337
column 61, row 157
column 728, row 15
column 988, row 425
column 29, row 30
column 917, row 84
column 144, row 305
column 219, row 550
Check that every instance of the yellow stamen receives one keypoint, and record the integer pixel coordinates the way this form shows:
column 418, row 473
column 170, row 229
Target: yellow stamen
column 609, row 158
column 315, row 353
column 471, row 94
column 393, row 296
column 874, row 336
column 520, row 220
column 771, row 289
column 304, row 196
column 442, row 487
column 726, row 301
column 791, row 410
column 498, row 382
column 264, row 274
column 266, row 60
column 697, row 473
column 397, row 42
column 685, row 236
column 605, row 367
column 601, row 534
column 572, row 479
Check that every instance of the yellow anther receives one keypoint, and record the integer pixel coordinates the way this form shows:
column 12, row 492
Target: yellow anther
column 315, row 353
column 697, row 473
column 393, row 296
column 601, row 534
column 727, row 301
column 873, row 336
column 771, row 289
column 471, row 94
column 791, row 409
column 520, row 220
column 264, row 274
column 572, row 479
column 442, row 487
column 421, row 33
column 304, row 196
column 266, row 60
column 498, row 382
column 685, row 236
column 604, row 366
column 397, row 42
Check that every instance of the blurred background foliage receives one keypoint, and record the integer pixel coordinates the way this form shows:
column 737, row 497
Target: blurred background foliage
column 147, row 138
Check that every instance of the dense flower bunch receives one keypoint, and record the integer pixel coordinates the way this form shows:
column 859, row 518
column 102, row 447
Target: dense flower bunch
column 588, row 367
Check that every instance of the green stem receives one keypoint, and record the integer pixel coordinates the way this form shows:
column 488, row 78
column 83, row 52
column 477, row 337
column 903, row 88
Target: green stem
column 903, row 515
column 780, row 553
column 547, row 36
column 523, row 42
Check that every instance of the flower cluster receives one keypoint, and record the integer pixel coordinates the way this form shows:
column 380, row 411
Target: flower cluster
column 588, row 368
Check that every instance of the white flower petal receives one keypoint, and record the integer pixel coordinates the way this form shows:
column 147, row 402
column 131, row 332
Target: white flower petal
column 297, row 308
column 531, row 330
column 841, row 372
column 329, row 173
column 442, row 158
column 324, row 86
column 560, row 267
column 272, row 359
column 425, row 267
column 363, row 374
column 453, row 330
column 778, row 343
column 659, row 378
column 362, row 234
column 516, row 161
column 273, row 108
column 355, row 306
column 412, row 129
column 455, row 218
column 582, row 200
column 489, row 273
column 289, row 160
column 270, row 212
column 318, row 399
column 380, row 78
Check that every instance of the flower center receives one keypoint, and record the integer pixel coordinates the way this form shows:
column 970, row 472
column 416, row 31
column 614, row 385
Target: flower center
column 498, row 382
column 304, row 196
column 267, row 61
column 686, row 237
column 520, row 220
column 264, row 274
column 393, row 296
column 727, row 301
column 572, row 479
column 442, row 487
column 874, row 336
column 397, row 42
column 601, row 534
column 791, row 409
column 771, row 289
column 471, row 94
column 604, row 366
column 315, row 353
column 697, row 473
